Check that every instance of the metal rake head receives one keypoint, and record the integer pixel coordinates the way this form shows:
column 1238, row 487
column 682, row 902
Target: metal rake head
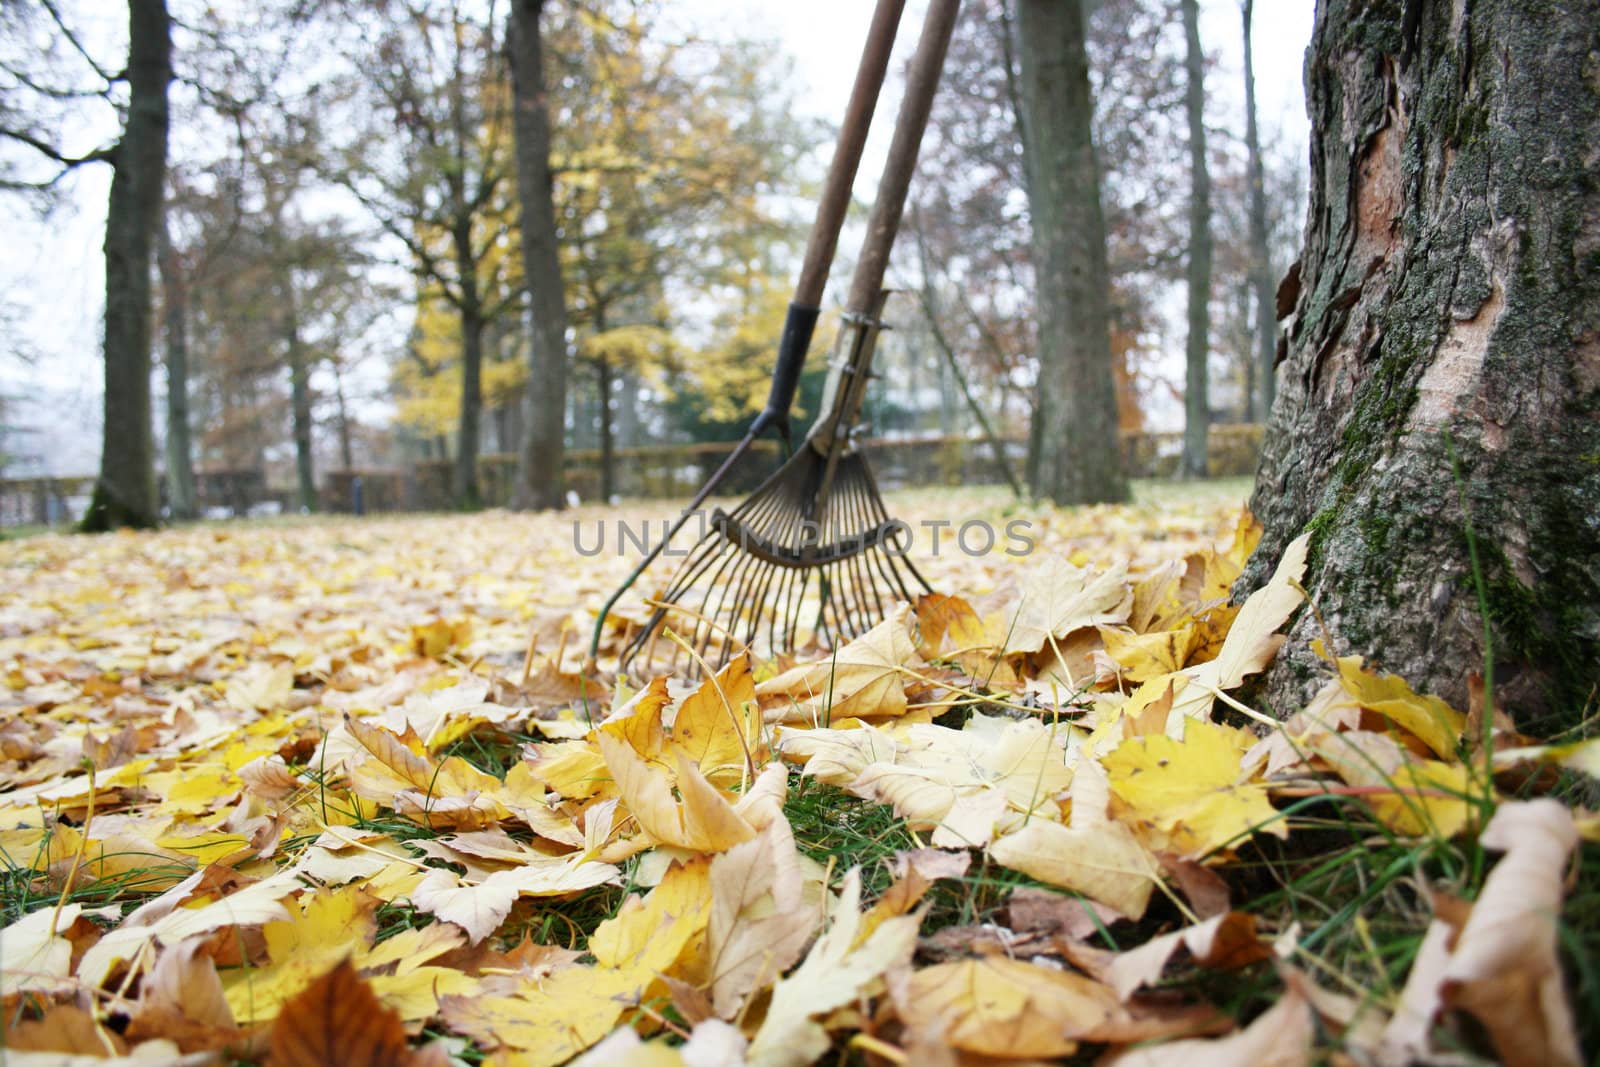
column 749, row 582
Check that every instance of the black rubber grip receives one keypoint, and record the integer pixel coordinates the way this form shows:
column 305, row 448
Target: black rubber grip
column 797, row 330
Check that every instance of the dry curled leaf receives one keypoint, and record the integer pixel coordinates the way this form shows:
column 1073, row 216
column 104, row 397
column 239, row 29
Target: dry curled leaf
column 338, row 1020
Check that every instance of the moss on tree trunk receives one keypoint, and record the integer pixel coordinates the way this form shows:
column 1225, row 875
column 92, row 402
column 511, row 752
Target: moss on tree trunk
column 1443, row 356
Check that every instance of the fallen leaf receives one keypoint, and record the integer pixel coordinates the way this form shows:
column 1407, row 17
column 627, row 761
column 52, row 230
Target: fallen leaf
column 1194, row 792
column 1006, row 1008
column 338, row 1020
column 832, row 975
column 1060, row 598
column 1093, row 855
column 863, row 679
column 1224, row 942
column 759, row 921
column 1503, row 968
column 1279, row 1037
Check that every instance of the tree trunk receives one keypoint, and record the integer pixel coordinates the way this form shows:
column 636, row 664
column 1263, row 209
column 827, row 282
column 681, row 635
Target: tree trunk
column 180, row 445
column 1244, row 337
column 299, row 401
column 539, row 466
column 627, row 418
column 470, row 430
column 1260, row 254
column 346, row 450
column 1442, row 382
column 125, row 494
column 1196, row 399
column 608, row 473
column 1075, row 459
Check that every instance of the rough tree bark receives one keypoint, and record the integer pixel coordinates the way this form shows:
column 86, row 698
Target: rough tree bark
column 1260, row 256
column 125, row 493
column 1076, row 460
column 539, row 466
column 1196, row 398
column 1442, row 367
column 175, row 326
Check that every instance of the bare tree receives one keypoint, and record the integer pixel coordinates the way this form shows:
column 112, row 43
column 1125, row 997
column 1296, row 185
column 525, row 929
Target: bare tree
column 1266, row 320
column 1078, row 458
column 1196, row 398
column 181, row 502
column 429, row 159
column 540, row 460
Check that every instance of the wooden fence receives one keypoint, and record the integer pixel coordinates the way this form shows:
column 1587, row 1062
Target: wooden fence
column 661, row 471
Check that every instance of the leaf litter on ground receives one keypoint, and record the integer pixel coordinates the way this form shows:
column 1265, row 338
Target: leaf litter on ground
column 348, row 789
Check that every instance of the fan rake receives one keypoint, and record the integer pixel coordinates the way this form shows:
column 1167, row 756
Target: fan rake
column 813, row 546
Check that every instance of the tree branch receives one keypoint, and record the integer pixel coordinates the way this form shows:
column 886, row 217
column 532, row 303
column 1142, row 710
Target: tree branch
column 72, row 39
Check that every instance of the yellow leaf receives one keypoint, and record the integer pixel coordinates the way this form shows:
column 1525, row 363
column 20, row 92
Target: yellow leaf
column 718, row 726
column 1144, row 656
column 1435, row 723
column 1252, row 641
column 863, row 679
column 639, row 722
column 1060, row 598
column 324, row 929
column 1193, row 790
column 1099, row 858
column 1005, row 1008
column 572, row 769
column 548, row 1022
column 703, row 821
column 647, row 934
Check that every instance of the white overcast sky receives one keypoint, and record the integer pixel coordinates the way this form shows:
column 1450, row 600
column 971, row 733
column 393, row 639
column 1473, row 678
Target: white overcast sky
column 53, row 272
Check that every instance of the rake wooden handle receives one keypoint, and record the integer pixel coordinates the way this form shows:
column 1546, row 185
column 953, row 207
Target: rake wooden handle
column 835, row 199
column 830, row 433
column 831, row 209
column 922, row 80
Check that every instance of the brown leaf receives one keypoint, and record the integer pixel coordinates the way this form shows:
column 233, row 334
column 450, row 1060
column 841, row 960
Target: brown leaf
column 64, row 1028
column 1205, row 890
column 1039, row 911
column 339, row 1020
column 1504, row 968
column 1279, row 1038
column 1224, row 942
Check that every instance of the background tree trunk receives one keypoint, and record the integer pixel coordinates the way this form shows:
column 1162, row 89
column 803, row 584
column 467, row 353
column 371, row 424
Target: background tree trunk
column 299, row 399
column 1443, row 362
column 470, row 428
column 1260, row 257
column 180, row 444
column 539, row 466
column 1196, row 399
column 608, row 471
column 346, row 448
column 125, row 494
column 1076, row 459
